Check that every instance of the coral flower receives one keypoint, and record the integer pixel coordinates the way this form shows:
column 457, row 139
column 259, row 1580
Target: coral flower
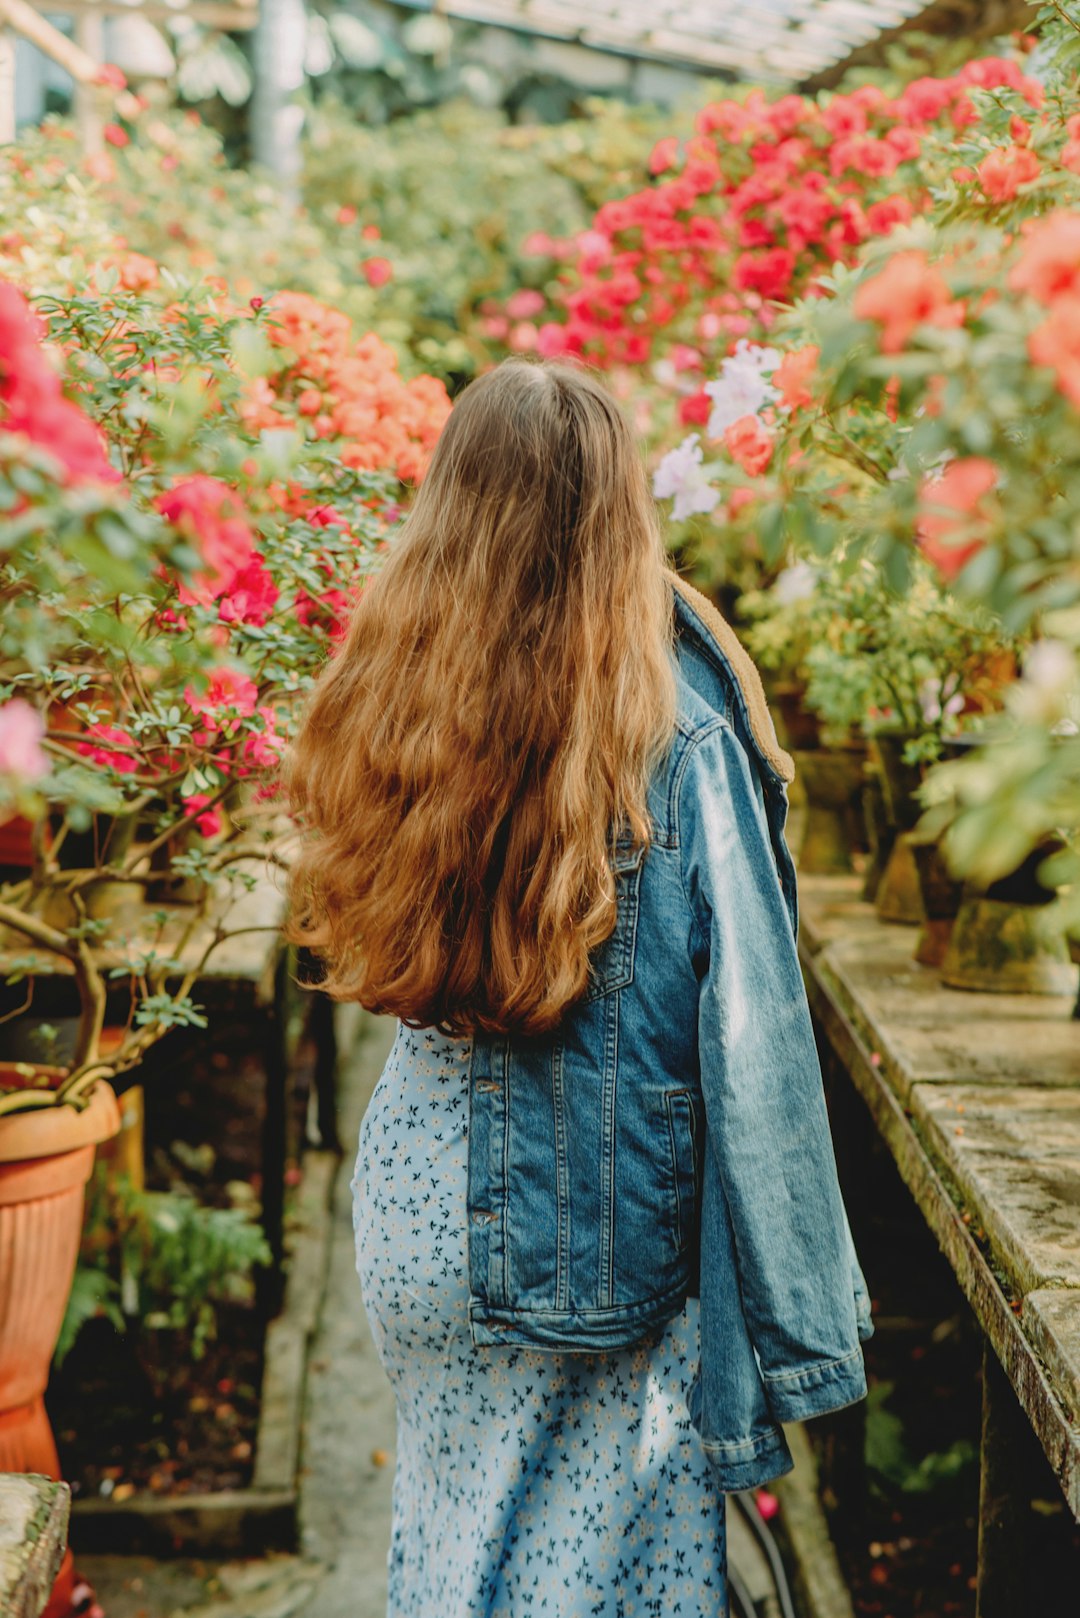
column 1003, row 171
column 909, row 292
column 1049, row 265
column 952, row 505
column 1056, row 343
column 750, row 445
column 792, row 374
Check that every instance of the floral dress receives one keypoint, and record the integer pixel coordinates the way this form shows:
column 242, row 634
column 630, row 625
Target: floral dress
column 527, row 1482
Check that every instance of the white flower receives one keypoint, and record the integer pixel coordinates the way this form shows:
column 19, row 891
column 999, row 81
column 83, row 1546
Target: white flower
column 742, row 388
column 1048, row 692
column 940, row 699
column 796, row 583
column 680, row 476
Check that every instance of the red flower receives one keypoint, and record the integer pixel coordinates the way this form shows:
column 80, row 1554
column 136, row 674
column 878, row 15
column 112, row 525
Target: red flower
column 664, row 154
column 768, row 273
column 749, row 444
column 124, row 763
column 209, row 515
column 951, row 505
column 115, row 135
column 32, row 401
column 909, row 292
column 207, row 821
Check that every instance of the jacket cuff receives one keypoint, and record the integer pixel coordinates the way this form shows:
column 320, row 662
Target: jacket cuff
column 748, row 1465
column 800, row 1395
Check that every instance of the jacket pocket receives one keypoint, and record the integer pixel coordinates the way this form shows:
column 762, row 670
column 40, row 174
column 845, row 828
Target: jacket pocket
column 612, row 967
column 683, row 1130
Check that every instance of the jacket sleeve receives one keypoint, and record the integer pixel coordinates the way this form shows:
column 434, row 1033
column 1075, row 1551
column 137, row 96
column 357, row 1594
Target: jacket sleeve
column 770, row 1188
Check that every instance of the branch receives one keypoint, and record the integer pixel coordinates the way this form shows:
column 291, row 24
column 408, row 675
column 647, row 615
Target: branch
column 38, row 931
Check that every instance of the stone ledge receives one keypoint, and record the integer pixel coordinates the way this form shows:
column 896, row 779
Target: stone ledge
column 33, row 1529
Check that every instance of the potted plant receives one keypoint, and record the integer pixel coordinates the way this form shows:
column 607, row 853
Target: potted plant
column 170, row 586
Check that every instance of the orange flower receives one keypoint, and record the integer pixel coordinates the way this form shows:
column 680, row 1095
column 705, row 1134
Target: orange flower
column 1004, row 170
column 1056, row 343
column 749, row 444
column 909, row 292
column 137, row 272
column 1049, row 266
column 792, row 375
column 951, row 506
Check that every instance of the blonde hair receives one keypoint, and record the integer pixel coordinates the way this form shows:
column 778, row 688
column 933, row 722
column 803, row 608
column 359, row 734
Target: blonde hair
column 504, row 693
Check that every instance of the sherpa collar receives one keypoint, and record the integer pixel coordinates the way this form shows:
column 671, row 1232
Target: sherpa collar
column 722, row 640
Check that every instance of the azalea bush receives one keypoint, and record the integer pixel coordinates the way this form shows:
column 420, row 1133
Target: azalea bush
column 920, row 408
column 422, row 228
column 187, row 517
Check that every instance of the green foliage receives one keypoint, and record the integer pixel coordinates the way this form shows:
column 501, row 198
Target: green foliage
column 154, row 1260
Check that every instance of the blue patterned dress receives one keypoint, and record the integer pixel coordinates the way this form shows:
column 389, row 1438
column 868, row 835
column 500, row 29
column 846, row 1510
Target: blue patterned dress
column 565, row 1484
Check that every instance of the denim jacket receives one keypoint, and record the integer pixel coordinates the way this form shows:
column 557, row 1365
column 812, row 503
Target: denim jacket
column 671, row 1136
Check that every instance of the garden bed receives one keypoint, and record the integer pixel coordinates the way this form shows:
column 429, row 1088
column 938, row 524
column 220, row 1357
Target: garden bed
column 165, row 1449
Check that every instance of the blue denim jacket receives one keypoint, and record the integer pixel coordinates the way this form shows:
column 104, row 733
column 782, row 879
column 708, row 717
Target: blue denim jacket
column 672, row 1136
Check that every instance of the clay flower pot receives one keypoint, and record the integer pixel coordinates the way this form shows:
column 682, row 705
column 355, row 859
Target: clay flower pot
column 941, row 895
column 897, row 897
column 46, row 1157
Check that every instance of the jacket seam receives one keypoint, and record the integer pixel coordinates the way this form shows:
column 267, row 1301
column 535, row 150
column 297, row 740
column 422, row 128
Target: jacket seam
column 812, row 1370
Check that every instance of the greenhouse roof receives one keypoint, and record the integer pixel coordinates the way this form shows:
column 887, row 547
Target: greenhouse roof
column 780, row 40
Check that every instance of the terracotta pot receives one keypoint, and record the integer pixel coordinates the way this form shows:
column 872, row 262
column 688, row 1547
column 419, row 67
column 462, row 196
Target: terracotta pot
column 898, row 898
column 45, row 1161
column 832, row 779
column 941, row 895
column 108, row 899
column 16, row 843
column 798, row 728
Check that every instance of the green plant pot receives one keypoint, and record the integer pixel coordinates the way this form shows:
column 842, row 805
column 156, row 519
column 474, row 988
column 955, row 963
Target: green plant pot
column 1000, row 947
column 832, row 780
column 900, row 782
column 880, row 833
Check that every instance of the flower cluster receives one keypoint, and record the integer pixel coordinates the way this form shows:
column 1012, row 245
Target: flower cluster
column 753, row 210
column 345, row 388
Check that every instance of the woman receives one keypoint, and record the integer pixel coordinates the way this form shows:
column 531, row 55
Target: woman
column 545, row 808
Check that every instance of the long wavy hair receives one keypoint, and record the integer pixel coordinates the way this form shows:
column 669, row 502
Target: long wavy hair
column 492, row 720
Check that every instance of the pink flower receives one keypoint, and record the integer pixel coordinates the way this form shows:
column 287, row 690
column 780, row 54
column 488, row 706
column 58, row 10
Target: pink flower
column 263, row 749
column 124, row 763
column 524, row 303
column 21, row 731
column 377, row 271
column 251, row 597
column 228, row 688
column 207, row 821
